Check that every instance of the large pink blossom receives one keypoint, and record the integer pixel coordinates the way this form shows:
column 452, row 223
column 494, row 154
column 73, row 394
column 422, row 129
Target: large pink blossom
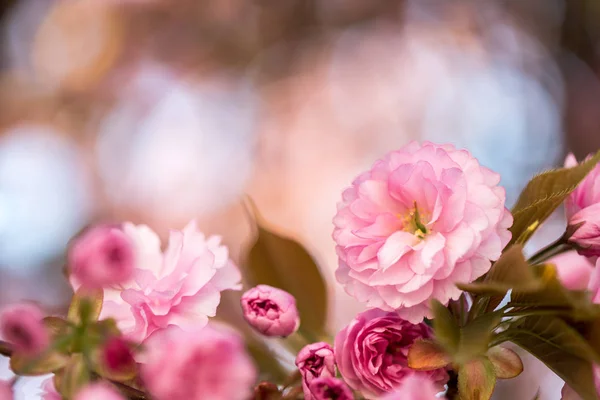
column 371, row 353
column 583, row 210
column 422, row 219
column 206, row 364
column 415, row 387
column 181, row 286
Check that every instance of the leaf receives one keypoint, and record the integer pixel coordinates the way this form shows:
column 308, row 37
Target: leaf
column 475, row 336
column 85, row 303
column 446, row 329
column 47, row 363
column 283, row 263
column 560, row 347
column 552, row 294
column 74, row 377
column 476, row 380
column 543, row 195
column 507, row 364
column 509, row 272
column 56, row 326
column 426, row 355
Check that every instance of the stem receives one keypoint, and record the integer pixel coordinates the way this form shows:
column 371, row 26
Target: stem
column 5, row 349
column 557, row 247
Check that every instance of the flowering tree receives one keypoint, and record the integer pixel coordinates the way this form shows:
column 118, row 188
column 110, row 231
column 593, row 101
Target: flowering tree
column 424, row 241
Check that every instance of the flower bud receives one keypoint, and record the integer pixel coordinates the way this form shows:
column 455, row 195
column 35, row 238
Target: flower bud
column 117, row 357
column 270, row 311
column 583, row 212
column 328, row 388
column 102, row 256
column 21, row 325
column 314, row 361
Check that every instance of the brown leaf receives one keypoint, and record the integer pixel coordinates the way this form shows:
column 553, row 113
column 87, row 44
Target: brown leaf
column 543, row 194
column 507, row 364
column 283, row 263
column 47, row 363
column 86, row 303
column 560, row 347
column 476, row 380
column 426, row 355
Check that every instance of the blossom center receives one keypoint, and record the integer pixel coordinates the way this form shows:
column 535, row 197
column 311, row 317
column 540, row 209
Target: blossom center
column 415, row 222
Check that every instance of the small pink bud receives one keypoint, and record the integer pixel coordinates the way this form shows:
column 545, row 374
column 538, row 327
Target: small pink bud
column 21, row 325
column 328, row 388
column 117, row 355
column 102, row 256
column 270, row 311
column 314, row 361
column 99, row 391
column 6, row 392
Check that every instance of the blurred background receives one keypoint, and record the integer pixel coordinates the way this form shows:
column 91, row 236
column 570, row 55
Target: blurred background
column 161, row 111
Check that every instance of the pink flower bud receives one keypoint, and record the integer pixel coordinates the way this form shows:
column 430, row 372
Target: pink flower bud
column 102, row 256
column 583, row 209
column 315, row 361
column 328, row 388
column 270, row 311
column 21, row 325
column 117, row 355
column 99, row 391
column 6, row 392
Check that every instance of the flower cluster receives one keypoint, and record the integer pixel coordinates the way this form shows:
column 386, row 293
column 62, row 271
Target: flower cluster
column 423, row 239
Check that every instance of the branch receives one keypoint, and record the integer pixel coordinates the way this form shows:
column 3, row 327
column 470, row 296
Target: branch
column 5, row 349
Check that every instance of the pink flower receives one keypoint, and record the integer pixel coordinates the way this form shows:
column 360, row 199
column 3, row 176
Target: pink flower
column 422, row 219
column 209, row 364
column 583, row 206
column 371, row 352
column 314, row 361
column 21, row 325
column 99, row 391
column 414, row 387
column 102, row 256
column 574, row 270
column 6, row 392
column 49, row 390
column 117, row 355
column 270, row 311
column 181, row 286
column 329, row 388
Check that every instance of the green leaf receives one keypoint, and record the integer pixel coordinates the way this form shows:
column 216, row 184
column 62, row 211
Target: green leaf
column 426, row 355
column 47, row 363
column 283, row 263
column 543, row 195
column 445, row 326
column 74, row 377
column 509, row 272
column 560, row 347
column 507, row 364
column 551, row 294
column 476, row 335
column 85, row 305
column 476, row 380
